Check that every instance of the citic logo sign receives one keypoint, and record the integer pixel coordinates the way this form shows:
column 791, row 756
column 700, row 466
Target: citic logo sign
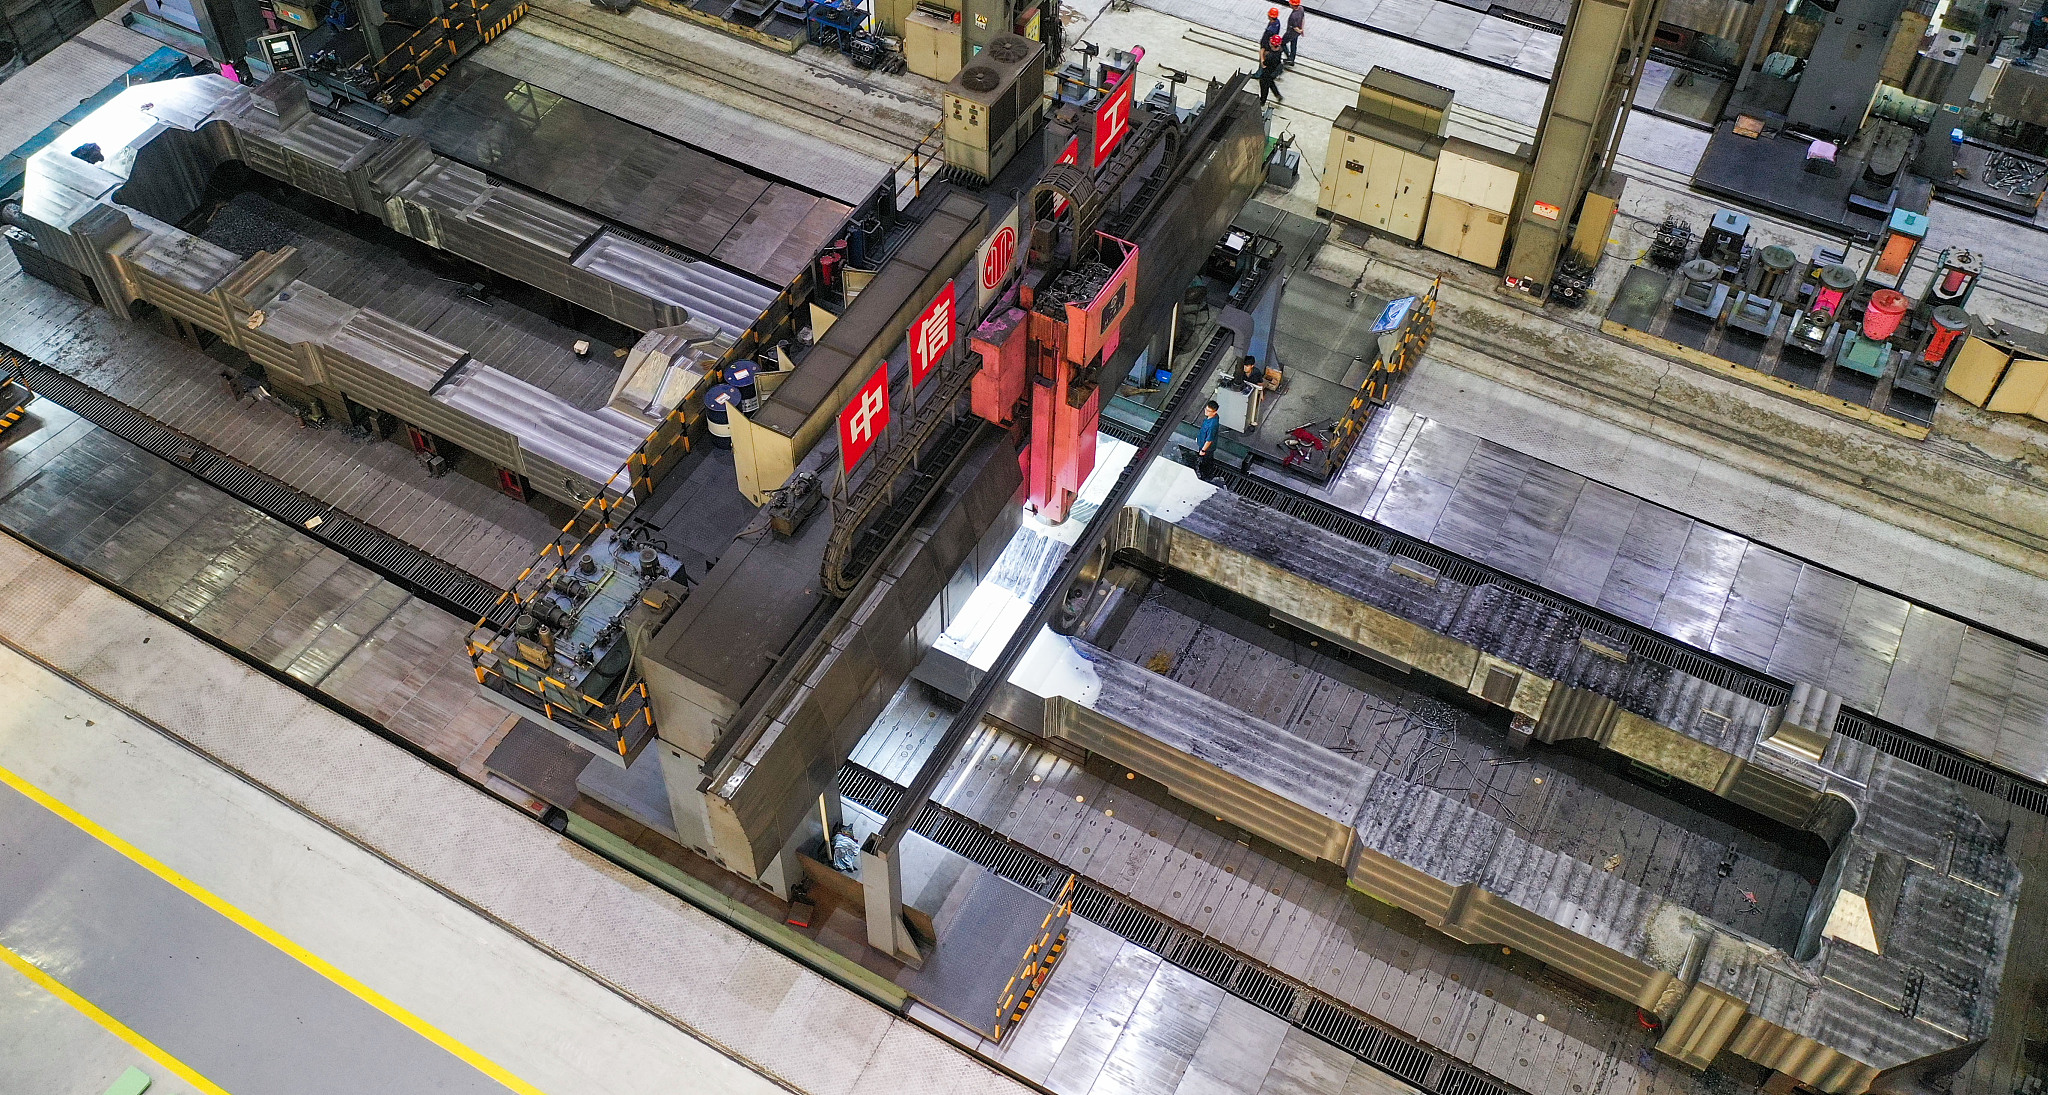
column 995, row 263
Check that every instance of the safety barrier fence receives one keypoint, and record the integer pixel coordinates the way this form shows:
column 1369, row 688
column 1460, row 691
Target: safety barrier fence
column 626, row 722
column 920, row 167
column 1038, row 962
column 417, row 63
column 1377, row 389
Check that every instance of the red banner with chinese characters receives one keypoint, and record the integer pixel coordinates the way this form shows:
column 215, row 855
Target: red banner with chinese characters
column 1113, row 119
column 863, row 419
column 931, row 335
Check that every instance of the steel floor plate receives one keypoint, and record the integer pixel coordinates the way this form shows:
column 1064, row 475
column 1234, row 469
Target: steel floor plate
column 639, row 178
column 1702, row 586
column 985, row 926
column 1287, row 914
column 253, row 583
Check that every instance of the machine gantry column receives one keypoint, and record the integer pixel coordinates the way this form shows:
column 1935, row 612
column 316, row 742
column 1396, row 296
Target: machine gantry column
column 881, row 877
column 1598, row 67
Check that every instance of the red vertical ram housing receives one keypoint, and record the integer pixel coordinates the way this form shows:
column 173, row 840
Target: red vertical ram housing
column 1056, row 353
column 1065, row 357
column 1000, row 384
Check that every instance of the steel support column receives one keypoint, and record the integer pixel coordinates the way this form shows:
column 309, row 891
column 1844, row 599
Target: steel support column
column 881, row 879
column 1605, row 45
column 370, row 14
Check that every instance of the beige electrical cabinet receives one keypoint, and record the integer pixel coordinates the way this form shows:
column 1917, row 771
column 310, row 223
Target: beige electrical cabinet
column 1473, row 199
column 1405, row 101
column 1379, row 174
column 932, row 46
column 1344, row 176
column 1466, row 231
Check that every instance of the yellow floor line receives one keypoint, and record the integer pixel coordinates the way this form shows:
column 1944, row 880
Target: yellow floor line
column 269, row 935
column 119, row 1029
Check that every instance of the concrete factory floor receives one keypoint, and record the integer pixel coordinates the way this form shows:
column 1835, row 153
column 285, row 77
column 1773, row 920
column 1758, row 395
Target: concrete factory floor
column 256, row 585
column 199, row 982
column 395, row 881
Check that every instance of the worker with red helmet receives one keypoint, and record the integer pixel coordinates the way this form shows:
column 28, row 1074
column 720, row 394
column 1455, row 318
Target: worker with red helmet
column 1269, row 68
column 1273, row 26
column 1297, row 17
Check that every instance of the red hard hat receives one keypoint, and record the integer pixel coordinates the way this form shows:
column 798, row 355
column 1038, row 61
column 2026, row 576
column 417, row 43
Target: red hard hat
column 1272, row 13
column 1296, row 3
column 1275, row 42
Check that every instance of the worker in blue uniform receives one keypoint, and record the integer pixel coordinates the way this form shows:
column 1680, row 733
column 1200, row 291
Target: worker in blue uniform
column 1273, row 25
column 1205, row 440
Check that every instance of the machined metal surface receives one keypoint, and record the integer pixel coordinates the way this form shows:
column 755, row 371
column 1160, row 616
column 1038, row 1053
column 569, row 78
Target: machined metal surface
column 76, row 214
column 985, row 926
column 1929, row 673
column 1824, row 1010
column 253, row 583
column 615, row 169
column 1557, row 799
column 1116, row 1018
column 1447, row 1017
column 701, row 122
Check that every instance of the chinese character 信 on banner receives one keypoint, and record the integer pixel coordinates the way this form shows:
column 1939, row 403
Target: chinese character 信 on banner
column 931, row 335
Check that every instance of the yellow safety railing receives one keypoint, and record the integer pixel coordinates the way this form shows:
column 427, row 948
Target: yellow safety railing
column 594, row 518
column 928, row 155
column 1377, row 389
column 1039, row 959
